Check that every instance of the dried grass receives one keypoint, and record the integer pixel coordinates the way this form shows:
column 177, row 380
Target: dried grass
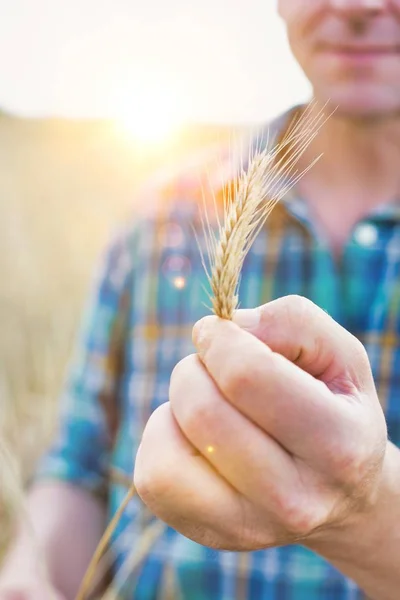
column 11, row 495
column 65, row 186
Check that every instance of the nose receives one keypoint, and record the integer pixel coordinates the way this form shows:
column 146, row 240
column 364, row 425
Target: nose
column 359, row 7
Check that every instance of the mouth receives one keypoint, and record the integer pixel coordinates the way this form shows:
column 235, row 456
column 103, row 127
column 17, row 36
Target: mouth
column 360, row 53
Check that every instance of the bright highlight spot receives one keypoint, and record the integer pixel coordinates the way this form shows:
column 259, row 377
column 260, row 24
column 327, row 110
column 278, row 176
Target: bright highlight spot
column 210, row 449
column 151, row 112
column 179, row 282
column 148, row 126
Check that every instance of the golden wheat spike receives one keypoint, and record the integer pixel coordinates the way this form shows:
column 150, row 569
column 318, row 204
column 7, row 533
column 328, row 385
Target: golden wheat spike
column 269, row 176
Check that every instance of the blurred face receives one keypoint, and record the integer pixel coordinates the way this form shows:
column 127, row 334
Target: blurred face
column 349, row 50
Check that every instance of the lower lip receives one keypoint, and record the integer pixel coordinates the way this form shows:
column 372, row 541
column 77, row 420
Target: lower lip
column 361, row 58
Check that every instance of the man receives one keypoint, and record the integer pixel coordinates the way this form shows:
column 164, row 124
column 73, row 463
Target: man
column 274, row 440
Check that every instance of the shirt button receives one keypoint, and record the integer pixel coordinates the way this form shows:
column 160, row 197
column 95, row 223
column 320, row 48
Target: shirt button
column 366, row 235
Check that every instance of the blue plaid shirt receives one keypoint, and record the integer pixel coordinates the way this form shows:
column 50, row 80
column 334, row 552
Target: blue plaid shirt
column 148, row 294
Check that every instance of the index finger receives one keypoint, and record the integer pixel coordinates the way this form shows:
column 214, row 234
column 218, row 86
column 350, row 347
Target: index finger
column 293, row 407
column 306, row 335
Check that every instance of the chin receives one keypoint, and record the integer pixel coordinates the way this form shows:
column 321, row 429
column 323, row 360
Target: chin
column 361, row 102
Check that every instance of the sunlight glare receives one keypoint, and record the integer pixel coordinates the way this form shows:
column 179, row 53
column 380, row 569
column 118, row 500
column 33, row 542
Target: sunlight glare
column 151, row 114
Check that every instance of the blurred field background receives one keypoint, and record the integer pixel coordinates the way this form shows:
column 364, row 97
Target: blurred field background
column 86, row 89
column 65, row 186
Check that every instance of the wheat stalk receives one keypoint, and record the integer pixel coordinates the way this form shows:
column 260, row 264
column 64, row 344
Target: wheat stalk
column 148, row 538
column 271, row 173
column 11, row 490
column 102, row 546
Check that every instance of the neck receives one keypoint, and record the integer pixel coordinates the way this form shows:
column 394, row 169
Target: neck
column 359, row 170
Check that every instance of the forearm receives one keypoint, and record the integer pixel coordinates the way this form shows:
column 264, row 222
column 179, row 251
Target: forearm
column 368, row 551
column 67, row 524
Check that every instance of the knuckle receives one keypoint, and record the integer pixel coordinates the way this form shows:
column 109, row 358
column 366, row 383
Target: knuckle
column 292, row 306
column 295, row 310
column 151, row 483
column 348, row 463
column 361, row 369
column 354, row 456
column 358, row 350
column 298, row 305
column 297, row 516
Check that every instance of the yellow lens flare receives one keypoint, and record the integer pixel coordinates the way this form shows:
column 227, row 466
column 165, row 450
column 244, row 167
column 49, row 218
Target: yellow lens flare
column 150, row 114
column 179, row 283
column 210, row 449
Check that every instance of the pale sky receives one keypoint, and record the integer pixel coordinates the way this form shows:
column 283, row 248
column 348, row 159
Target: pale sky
column 211, row 60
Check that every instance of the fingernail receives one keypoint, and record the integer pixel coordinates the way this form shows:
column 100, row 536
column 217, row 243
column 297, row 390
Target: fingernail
column 247, row 318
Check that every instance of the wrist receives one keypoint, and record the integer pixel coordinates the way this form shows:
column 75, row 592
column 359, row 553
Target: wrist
column 357, row 541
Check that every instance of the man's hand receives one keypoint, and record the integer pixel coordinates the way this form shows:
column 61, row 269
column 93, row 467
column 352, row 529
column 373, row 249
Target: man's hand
column 272, row 435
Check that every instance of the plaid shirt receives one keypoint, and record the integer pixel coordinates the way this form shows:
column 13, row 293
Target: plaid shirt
column 148, row 295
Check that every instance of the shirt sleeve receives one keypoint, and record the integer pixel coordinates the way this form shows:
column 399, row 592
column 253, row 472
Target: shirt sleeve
column 88, row 421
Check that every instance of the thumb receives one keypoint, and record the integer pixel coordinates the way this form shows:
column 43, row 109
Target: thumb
column 307, row 336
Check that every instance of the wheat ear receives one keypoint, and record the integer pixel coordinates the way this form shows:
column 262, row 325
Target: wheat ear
column 271, row 173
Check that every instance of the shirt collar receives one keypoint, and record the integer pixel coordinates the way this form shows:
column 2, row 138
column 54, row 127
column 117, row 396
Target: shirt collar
column 296, row 205
column 387, row 212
